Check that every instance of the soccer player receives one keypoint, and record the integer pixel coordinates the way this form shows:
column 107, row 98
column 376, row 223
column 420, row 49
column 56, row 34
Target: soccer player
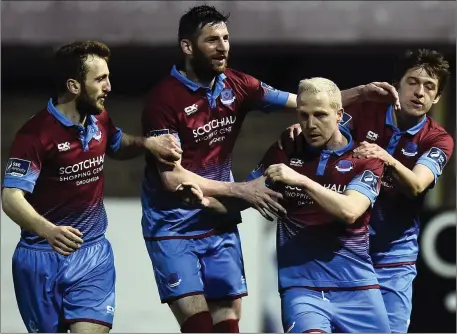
column 326, row 278
column 196, row 256
column 63, row 266
column 415, row 150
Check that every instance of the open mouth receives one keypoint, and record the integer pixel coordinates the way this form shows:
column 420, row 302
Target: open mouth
column 417, row 103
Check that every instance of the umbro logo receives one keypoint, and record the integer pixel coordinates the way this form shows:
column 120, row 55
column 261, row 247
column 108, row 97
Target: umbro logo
column 62, row 147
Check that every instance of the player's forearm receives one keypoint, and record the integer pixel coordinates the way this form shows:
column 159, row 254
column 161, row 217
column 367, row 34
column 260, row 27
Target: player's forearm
column 173, row 176
column 412, row 185
column 130, row 147
column 352, row 95
column 338, row 205
column 22, row 213
column 227, row 205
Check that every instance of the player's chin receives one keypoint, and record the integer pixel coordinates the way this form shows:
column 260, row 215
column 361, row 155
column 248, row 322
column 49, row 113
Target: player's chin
column 415, row 111
column 315, row 141
column 220, row 68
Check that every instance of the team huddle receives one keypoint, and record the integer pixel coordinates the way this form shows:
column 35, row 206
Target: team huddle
column 346, row 185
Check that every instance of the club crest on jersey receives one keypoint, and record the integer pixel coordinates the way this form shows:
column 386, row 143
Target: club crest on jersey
column 227, row 97
column 371, row 180
column 345, row 120
column 17, row 167
column 410, row 149
column 296, row 162
column 438, row 157
column 344, row 166
column 98, row 135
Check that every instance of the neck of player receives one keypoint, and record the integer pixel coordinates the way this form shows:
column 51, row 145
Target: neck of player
column 198, row 78
column 403, row 121
column 68, row 108
column 337, row 141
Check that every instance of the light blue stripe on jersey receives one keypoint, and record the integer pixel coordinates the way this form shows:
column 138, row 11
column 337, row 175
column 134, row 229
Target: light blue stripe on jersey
column 435, row 159
column 20, row 174
column 273, row 99
column 367, row 184
column 115, row 140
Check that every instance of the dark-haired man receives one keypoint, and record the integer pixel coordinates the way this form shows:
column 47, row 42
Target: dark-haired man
column 197, row 255
column 415, row 150
column 63, row 266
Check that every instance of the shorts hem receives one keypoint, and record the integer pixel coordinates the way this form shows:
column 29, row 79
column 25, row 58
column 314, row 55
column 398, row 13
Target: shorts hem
column 174, row 298
column 217, row 231
column 348, row 288
column 394, row 264
column 228, row 297
column 93, row 321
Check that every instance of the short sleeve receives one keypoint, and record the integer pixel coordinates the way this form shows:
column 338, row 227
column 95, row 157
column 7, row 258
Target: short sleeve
column 114, row 136
column 437, row 152
column 263, row 96
column 269, row 158
column 24, row 163
column 368, row 179
column 158, row 118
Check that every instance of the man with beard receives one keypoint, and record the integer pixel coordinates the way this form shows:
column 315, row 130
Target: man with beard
column 196, row 255
column 63, row 266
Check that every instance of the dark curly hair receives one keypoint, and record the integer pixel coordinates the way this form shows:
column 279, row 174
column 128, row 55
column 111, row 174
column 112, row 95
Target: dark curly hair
column 431, row 61
column 70, row 61
column 196, row 18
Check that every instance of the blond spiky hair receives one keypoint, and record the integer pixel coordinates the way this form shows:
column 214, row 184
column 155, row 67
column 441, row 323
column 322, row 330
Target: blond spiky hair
column 320, row 85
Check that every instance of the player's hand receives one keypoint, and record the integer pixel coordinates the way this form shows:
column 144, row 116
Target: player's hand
column 165, row 148
column 280, row 173
column 263, row 199
column 64, row 239
column 381, row 92
column 370, row 150
column 192, row 195
column 292, row 132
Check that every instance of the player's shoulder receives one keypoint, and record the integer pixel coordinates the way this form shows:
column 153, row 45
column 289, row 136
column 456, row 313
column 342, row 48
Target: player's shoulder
column 239, row 78
column 368, row 108
column 165, row 91
column 434, row 129
column 39, row 125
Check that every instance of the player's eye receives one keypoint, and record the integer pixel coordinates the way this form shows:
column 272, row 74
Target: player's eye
column 430, row 86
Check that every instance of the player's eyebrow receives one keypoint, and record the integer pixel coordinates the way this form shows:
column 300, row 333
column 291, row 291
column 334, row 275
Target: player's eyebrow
column 103, row 76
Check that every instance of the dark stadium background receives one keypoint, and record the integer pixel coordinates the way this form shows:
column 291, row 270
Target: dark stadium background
column 26, row 86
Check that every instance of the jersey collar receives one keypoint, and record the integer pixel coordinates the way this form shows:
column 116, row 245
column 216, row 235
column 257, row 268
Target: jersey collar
column 65, row 121
column 193, row 85
column 412, row 131
column 340, row 151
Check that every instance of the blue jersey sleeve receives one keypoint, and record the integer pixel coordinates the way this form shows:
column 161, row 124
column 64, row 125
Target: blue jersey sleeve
column 367, row 183
column 256, row 173
column 438, row 155
column 273, row 99
column 115, row 140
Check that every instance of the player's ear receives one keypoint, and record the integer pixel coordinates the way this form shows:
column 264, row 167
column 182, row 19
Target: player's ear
column 73, row 86
column 339, row 115
column 437, row 98
column 186, row 46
